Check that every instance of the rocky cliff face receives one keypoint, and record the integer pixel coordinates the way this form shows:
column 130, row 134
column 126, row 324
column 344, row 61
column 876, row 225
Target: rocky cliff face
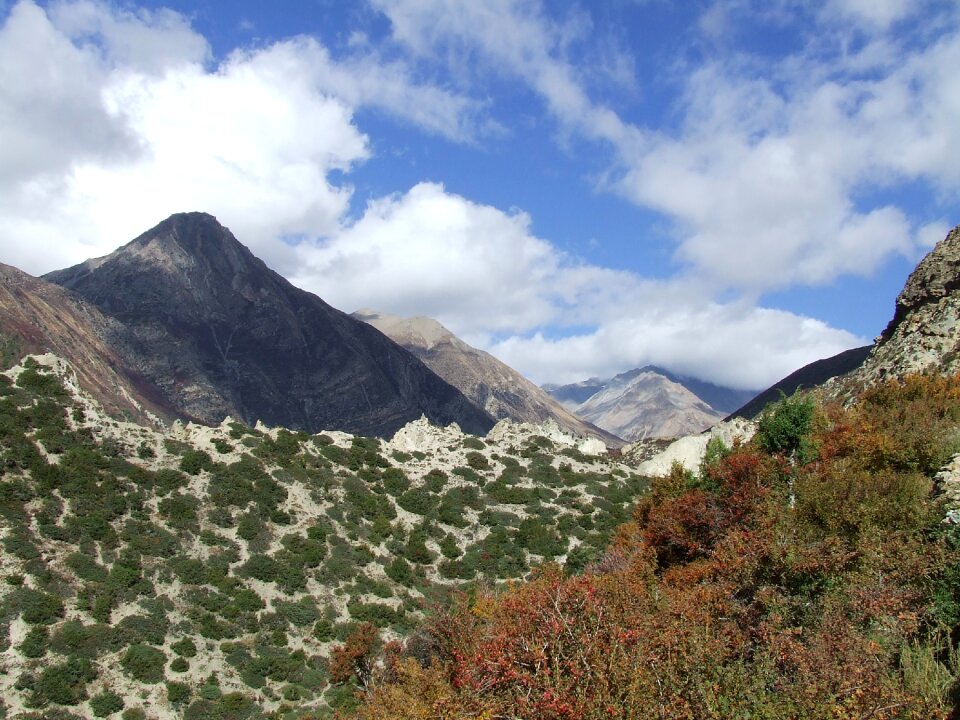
column 221, row 334
column 924, row 333
column 490, row 384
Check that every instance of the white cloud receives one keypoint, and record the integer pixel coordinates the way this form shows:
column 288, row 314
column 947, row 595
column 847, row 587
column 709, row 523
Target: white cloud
column 735, row 345
column 768, row 178
column 112, row 121
column 474, row 267
column 483, row 274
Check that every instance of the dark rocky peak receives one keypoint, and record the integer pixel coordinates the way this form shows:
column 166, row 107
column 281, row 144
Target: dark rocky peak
column 935, row 277
column 189, row 258
column 221, row 334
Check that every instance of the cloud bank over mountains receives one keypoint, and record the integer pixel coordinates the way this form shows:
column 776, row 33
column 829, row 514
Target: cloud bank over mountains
column 769, row 172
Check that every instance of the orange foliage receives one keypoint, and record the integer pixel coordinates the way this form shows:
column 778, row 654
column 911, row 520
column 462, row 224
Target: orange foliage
column 764, row 589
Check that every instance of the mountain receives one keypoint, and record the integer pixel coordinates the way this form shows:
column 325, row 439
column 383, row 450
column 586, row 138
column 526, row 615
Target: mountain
column 641, row 403
column 809, row 376
column 38, row 317
column 573, row 395
column 220, row 334
column 489, row 383
column 649, row 402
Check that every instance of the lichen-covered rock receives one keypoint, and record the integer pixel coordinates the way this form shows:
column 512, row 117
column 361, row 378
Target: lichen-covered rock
column 924, row 333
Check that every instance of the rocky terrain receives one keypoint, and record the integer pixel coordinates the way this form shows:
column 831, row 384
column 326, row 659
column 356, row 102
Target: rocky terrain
column 492, row 385
column 217, row 333
column 207, row 571
column 923, row 333
column 648, row 403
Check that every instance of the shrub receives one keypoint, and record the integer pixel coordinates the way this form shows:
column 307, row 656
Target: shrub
column 418, row 501
column 106, row 703
column 35, row 642
column 184, row 647
column 395, row 481
column 476, row 461
column 399, row 570
column 178, row 692
column 784, row 426
column 144, row 663
column 64, row 683
column 194, row 461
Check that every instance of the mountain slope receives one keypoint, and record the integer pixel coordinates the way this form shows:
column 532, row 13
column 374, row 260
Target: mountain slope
column 646, row 404
column 230, row 561
column 649, row 402
column 221, row 334
column 492, row 385
column 38, row 317
column 809, row 376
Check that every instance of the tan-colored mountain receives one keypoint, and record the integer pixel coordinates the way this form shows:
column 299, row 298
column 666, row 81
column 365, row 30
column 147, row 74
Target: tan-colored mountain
column 38, row 317
column 646, row 403
column 489, row 383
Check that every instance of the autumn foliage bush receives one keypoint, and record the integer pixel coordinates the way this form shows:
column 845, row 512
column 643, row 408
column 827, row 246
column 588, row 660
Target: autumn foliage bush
column 806, row 574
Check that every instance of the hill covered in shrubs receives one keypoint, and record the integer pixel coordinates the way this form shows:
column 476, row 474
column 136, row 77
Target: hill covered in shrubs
column 806, row 574
column 232, row 572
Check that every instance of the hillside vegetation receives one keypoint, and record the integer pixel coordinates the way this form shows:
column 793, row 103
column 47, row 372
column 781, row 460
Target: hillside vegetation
column 807, row 574
column 230, row 572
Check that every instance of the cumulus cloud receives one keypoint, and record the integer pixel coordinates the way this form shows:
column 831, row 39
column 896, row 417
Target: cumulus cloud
column 113, row 119
column 482, row 273
column 767, row 178
column 737, row 345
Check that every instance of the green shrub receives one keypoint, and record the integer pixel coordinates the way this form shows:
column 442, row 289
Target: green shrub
column 178, row 692
column 184, row 647
column 476, row 461
column 399, row 570
column 193, row 462
column 435, row 480
column 105, row 704
column 38, row 607
column 473, row 443
column 144, row 663
column 179, row 665
column 64, row 683
column 418, row 501
column 35, row 642
column 784, row 426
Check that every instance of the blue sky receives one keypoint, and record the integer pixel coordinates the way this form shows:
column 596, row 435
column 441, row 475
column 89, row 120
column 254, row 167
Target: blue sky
column 727, row 188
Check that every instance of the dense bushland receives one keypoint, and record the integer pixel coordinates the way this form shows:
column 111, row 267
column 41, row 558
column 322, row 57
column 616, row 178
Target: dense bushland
column 806, row 574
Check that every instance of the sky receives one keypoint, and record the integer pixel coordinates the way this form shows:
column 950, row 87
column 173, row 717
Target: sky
column 726, row 188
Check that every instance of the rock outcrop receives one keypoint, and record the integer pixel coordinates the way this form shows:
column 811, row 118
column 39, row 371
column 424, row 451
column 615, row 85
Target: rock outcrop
column 924, row 334
column 689, row 450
